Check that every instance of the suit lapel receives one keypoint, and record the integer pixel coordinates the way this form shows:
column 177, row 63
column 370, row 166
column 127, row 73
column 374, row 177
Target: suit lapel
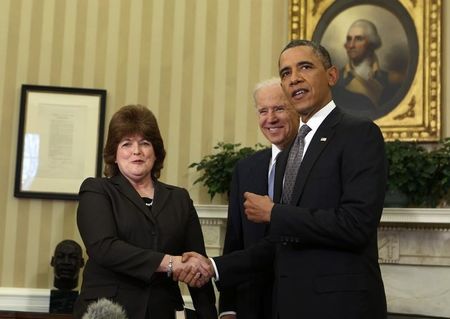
column 260, row 180
column 279, row 174
column 258, row 173
column 160, row 198
column 126, row 189
column 319, row 142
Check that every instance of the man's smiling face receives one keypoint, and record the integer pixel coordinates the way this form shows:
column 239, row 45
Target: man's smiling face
column 277, row 119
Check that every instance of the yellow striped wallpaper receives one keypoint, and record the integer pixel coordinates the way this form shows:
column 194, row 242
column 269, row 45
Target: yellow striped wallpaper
column 193, row 62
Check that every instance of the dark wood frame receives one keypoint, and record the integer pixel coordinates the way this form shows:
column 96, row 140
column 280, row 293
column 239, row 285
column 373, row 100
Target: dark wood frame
column 89, row 104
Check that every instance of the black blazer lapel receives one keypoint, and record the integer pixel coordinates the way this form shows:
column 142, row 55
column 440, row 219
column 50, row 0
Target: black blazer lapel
column 258, row 175
column 259, row 170
column 161, row 196
column 279, row 174
column 125, row 188
column 321, row 139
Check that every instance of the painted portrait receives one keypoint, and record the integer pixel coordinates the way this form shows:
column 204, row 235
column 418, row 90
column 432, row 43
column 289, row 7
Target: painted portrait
column 388, row 56
column 376, row 51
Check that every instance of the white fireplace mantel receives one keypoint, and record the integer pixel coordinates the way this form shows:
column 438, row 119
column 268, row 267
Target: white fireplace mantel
column 390, row 215
column 417, row 216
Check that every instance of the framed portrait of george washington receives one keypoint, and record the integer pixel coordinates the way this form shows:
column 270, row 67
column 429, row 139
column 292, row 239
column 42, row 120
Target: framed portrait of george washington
column 388, row 54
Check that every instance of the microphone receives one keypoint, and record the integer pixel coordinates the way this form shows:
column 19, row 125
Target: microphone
column 104, row 309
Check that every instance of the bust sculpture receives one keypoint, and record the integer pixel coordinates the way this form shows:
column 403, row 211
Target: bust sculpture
column 67, row 261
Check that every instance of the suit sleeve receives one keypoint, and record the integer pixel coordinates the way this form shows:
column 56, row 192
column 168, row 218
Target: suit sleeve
column 358, row 186
column 203, row 298
column 238, row 264
column 233, row 238
column 237, row 267
column 99, row 231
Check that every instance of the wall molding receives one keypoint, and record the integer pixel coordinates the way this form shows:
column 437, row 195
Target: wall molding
column 24, row 299
column 37, row 300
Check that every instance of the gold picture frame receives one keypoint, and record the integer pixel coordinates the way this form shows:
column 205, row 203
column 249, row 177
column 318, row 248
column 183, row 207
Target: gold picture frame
column 412, row 30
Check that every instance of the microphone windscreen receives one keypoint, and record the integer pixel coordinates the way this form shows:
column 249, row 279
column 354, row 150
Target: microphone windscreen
column 104, row 309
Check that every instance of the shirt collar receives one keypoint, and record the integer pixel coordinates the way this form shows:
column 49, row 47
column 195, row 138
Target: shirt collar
column 374, row 65
column 275, row 152
column 317, row 119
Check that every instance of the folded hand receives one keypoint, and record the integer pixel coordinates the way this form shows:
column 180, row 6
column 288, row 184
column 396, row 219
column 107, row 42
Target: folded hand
column 258, row 208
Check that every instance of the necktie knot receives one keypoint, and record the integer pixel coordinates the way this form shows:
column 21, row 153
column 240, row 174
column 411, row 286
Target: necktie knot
column 304, row 130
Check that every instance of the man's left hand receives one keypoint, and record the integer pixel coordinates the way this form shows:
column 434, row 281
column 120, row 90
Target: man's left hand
column 258, row 208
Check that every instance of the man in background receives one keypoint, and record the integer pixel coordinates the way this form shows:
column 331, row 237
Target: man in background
column 278, row 122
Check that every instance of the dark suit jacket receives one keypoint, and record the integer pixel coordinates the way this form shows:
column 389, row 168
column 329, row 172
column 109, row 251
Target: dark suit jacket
column 126, row 243
column 251, row 299
column 324, row 243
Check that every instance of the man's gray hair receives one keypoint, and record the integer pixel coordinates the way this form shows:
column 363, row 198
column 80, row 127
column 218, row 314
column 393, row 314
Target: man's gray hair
column 370, row 30
column 264, row 84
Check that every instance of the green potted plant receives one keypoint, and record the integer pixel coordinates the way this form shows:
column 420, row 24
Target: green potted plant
column 423, row 177
column 416, row 177
column 441, row 161
column 217, row 168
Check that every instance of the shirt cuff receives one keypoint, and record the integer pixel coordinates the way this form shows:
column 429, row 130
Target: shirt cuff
column 227, row 313
column 215, row 269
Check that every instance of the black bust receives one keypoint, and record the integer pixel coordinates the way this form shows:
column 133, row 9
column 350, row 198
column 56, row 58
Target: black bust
column 67, row 261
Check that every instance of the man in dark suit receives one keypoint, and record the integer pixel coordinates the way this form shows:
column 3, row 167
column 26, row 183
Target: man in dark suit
column 322, row 242
column 278, row 122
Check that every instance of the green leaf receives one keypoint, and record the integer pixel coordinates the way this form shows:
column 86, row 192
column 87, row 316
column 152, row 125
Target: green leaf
column 421, row 174
column 216, row 169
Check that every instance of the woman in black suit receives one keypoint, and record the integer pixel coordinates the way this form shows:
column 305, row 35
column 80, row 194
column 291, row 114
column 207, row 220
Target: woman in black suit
column 135, row 227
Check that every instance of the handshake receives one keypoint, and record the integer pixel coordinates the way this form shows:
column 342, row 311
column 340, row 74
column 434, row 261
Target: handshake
column 193, row 269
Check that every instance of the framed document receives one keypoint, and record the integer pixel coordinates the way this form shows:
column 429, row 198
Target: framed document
column 60, row 140
column 401, row 89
